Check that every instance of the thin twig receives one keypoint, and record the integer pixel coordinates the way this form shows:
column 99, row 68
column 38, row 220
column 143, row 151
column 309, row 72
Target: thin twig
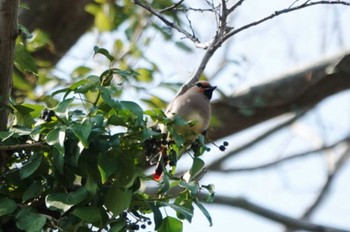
column 166, row 21
column 172, row 6
column 286, row 159
column 280, row 12
column 234, row 7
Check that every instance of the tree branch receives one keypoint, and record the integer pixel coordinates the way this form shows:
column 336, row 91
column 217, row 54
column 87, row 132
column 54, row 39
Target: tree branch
column 294, row 91
column 289, row 222
column 283, row 160
column 216, row 165
column 22, row 146
column 166, row 21
column 280, row 12
column 328, row 184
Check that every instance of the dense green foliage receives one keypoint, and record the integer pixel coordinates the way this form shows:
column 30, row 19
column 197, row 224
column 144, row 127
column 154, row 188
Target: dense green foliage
column 75, row 159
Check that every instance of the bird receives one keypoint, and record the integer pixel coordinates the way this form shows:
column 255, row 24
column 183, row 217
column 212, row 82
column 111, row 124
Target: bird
column 193, row 105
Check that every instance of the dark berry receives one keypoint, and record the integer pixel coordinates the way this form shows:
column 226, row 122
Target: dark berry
column 51, row 113
column 166, row 158
column 124, row 214
column 44, row 113
column 149, row 222
column 135, row 227
column 143, row 226
column 225, row 143
column 222, row 148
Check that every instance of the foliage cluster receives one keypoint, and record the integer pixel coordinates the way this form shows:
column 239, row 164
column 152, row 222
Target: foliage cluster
column 78, row 163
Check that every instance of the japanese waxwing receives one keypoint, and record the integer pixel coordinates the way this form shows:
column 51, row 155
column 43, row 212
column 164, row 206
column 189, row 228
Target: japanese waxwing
column 192, row 105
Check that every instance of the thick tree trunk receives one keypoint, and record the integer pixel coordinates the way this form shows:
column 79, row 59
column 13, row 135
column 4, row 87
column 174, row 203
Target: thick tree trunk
column 8, row 34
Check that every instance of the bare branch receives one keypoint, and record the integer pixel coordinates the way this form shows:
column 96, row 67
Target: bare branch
column 234, row 7
column 280, row 12
column 166, row 21
column 216, row 165
column 22, row 146
column 289, row 222
column 328, row 184
column 172, row 6
column 286, row 159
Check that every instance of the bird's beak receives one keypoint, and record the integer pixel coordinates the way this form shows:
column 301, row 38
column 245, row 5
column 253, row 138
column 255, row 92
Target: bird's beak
column 213, row 87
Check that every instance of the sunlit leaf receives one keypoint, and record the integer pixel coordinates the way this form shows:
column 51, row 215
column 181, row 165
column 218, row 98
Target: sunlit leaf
column 64, row 201
column 170, row 224
column 24, row 61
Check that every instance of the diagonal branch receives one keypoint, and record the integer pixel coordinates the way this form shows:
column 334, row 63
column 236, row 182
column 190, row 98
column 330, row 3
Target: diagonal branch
column 328, row 184
column 280, row 12
column 166, row 21
column 284, row 160
column 216, row 165
column 287, row 221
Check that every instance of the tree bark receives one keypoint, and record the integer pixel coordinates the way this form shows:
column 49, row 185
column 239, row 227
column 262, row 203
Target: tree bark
column 8, row 34
column 290, row 93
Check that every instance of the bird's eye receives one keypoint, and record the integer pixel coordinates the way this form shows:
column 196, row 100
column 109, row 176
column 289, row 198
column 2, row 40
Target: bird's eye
column 200, row 85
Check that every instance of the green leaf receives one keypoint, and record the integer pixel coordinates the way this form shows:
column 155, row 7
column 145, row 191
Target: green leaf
column 197, row 167
column 56, row 138
column 5, row 135
column 157, row 216
column 170, row 224
column 82, row 132
column 211, row 190
column 107, row 165
column 24, row 31
column 64, row 201
column 204, row 211
column 88, row 214
column 191, row 186
column 81, row 71
column 63, row 105
column 103, row 52
column 29, row 220
column 185, row 212
column 35, row 109
column 40, row 40
column 134, row 108
column 31, row 166
column 145, row 75
column 34, row 190
column 117, row 200
column 102, row 21
column 24, row 61
column 7, row 206
column 118, row 226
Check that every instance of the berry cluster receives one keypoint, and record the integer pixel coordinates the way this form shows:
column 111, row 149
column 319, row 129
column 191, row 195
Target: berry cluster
column 47, row 115
column 135, row 220
column 223, row 146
